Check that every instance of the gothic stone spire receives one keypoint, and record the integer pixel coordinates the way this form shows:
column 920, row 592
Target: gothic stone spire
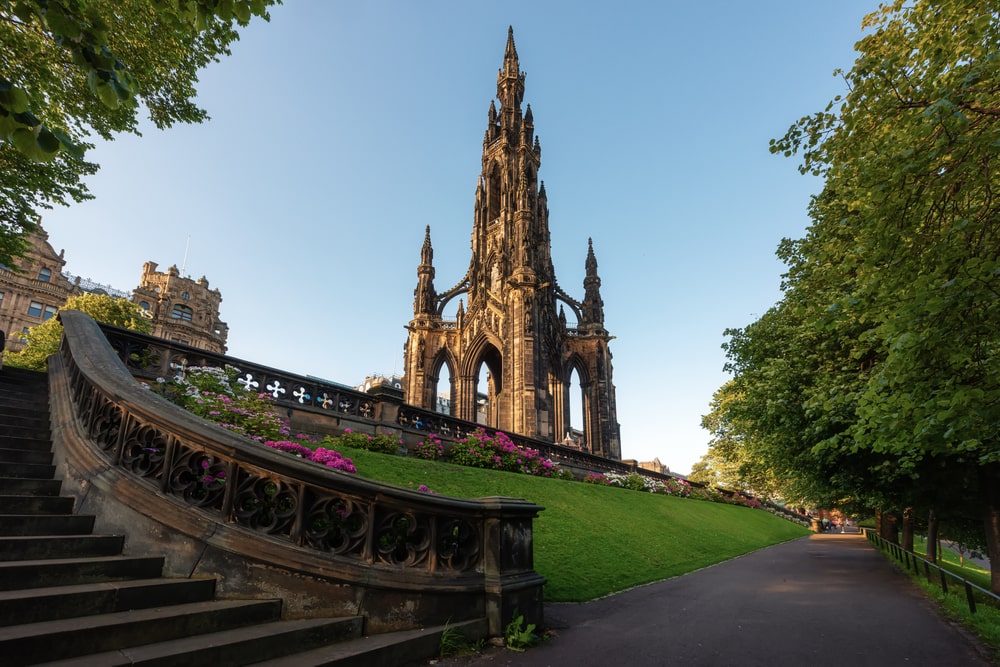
column 424, row 297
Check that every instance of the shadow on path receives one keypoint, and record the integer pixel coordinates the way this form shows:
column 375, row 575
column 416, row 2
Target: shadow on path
column 828, row 599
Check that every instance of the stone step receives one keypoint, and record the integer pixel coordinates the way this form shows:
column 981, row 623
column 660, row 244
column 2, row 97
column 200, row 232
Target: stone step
column 42, row 573
column 46, row 524
column 38, row 414
column 391, row 648
column 20, row 504
column 239, row 646
column 43, row 547
column 27, row 470
column 30, row 404
column 30, row 443
column 22, row 390
column 30, row 487
column 7, row 455
column 35, row 643
column 11, row 373
column 36, row 605
column 24, row 431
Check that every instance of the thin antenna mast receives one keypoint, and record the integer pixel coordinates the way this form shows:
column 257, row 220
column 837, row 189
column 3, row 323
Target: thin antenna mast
column 184, row 264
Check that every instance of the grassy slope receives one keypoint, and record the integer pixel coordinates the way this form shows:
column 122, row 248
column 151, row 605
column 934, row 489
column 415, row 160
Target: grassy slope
column 593, row 540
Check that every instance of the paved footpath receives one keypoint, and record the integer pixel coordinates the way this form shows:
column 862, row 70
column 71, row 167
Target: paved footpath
column 828, row 599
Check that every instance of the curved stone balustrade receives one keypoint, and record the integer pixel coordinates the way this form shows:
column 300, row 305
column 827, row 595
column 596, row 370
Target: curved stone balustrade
column 361, row 542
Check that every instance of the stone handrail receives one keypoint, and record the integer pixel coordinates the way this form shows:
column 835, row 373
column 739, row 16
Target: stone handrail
column 367, row 534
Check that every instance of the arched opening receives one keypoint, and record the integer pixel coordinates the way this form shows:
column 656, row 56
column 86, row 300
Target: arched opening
column 574, row 415
column 444, row 392
column 493, row 193
column 488, row 380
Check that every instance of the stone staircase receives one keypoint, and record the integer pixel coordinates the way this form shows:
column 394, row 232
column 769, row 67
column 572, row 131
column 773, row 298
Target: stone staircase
column 68, row 596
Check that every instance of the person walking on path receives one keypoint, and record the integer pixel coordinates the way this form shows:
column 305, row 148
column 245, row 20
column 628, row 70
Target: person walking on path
column 789, row 604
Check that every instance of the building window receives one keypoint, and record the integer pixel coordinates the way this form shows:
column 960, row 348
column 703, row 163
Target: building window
column 185, row 296
column 50, row 312
column 144, row 305
column 182, row 312
column 1, row 299
column 35, row 309
column 45, row 275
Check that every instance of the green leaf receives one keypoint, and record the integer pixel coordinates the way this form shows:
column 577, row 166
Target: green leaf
column 24, row 139
column 48, row 142
column 242, row 12
column 61, row 23
column 13, row 98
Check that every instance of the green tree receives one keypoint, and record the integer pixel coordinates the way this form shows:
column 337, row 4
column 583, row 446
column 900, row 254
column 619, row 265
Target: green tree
column 907, row 231
column 730, row 462
column 72, row 69
column 43, row 340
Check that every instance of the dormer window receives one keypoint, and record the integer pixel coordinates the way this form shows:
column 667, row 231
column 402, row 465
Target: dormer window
column 45, row 275
column 182, row 312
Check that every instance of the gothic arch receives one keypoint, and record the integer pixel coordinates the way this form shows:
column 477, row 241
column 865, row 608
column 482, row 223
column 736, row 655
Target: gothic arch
column 576, row 363
column 484, row 352
column 562, row 392
column 443, row 358
column 494, row 186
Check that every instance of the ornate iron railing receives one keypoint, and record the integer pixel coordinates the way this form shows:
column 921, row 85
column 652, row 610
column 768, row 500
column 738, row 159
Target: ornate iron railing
column 236, row 481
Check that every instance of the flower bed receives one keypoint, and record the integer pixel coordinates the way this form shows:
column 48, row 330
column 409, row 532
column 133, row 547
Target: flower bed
column 213, row 394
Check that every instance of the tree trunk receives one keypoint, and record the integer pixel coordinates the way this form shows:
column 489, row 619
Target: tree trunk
column 908, row 529
column 932, row 536
column 887, row 529
column 989, row 482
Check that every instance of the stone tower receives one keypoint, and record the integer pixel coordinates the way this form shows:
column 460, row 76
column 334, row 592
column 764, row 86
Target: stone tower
column 182, row 309
column 514, row 327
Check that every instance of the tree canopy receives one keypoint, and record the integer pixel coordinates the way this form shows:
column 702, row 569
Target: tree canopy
column 72, row 69
column 43, row 340
column 876, row 378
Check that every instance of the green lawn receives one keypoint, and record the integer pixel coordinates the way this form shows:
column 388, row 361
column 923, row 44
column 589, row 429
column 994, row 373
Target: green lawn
column 593, row 540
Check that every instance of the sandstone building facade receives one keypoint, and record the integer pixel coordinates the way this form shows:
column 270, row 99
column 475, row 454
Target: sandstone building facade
column 36, row 288
column 32, row 290
column 515, row 326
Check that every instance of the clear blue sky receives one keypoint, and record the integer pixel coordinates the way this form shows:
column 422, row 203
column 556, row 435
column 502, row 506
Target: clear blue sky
column 340, row 130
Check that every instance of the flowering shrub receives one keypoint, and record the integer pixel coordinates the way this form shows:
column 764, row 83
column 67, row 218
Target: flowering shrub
column 745, row 501
column 678, row 487
column 328, row 457
column 498, row 452
column 384, row 444
column 209, row 393
column 213, row 394
column 705, row 493
column 596, row 478
column 430, row 449
column 423, row 488
column 212, row 477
